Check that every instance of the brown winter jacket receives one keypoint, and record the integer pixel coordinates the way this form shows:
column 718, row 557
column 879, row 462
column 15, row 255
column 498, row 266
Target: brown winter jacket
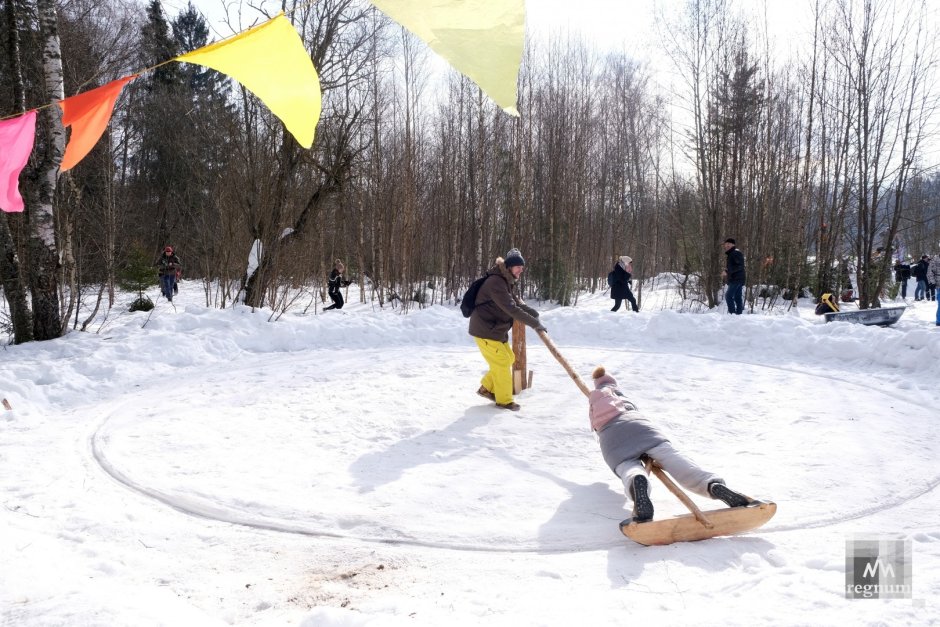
column 496, row 306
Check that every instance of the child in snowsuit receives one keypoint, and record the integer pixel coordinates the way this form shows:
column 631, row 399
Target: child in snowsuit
column 626, row 437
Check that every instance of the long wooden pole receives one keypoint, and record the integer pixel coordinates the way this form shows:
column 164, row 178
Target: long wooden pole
column 670, row 485
column 682, row 496
column 554, row 351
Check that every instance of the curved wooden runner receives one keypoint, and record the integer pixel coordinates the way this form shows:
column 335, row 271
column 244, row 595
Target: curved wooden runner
column 686, row 528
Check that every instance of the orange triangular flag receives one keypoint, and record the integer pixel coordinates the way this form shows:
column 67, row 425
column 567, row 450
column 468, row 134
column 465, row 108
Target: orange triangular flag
column 88, row 114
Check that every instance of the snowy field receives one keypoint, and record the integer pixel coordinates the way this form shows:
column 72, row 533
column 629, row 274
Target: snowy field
column 211, row 467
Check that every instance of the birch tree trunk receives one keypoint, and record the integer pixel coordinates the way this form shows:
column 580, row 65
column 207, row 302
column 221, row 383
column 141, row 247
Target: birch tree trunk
column 44, row 259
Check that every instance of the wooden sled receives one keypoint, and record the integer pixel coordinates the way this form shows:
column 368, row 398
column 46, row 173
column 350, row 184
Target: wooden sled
column 687, row 528
column 698, row 525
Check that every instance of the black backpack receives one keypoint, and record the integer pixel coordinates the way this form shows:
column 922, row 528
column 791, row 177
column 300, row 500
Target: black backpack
column 610, row 278
column 468, row 302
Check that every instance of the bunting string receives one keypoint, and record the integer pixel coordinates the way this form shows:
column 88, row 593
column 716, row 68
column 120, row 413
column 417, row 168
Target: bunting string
column 482, row 39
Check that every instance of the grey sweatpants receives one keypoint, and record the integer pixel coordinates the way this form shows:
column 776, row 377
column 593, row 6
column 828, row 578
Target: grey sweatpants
column 681, row 468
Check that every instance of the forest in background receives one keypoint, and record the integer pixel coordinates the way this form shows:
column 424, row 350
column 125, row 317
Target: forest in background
column 416, row 180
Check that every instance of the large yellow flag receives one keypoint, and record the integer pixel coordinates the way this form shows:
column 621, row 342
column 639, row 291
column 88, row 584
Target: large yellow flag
column 270, row 60
column 482, row 39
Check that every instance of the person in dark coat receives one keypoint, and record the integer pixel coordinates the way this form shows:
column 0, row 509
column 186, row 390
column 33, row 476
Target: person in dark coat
column 734, row 274
column 495, row 308
column 620, row 284
column 169, row 266
column 902, row 272
column 919, row 271
column 336, row 282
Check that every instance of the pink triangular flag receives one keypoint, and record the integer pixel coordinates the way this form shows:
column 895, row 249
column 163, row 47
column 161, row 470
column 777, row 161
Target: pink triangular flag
column 16, row 140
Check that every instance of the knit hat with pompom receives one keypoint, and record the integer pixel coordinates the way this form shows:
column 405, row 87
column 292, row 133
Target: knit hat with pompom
column 514, row 258
column 601, row 377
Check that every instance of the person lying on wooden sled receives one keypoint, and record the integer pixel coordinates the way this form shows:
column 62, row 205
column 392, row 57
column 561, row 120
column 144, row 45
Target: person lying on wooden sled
column 627, row 437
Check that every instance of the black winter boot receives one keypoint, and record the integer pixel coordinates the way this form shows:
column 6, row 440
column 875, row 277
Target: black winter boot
column 642, row 505
column 730, row 497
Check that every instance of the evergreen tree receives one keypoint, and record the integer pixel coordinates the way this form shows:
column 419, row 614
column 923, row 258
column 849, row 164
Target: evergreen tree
column 157, row 46
column 136, row 275
column 208, row 128
column 158, row 163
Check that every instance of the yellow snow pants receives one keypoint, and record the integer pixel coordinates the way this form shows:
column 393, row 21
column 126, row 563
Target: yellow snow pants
column 498, row 380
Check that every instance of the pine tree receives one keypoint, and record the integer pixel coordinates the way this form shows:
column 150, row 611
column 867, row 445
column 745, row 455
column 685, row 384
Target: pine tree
column 136, row 275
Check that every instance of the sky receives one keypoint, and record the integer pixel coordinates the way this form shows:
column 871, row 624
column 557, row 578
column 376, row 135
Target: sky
column 631, row 25
column 196, row 466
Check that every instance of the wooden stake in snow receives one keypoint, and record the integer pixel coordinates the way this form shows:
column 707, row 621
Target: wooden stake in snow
column 520, row 379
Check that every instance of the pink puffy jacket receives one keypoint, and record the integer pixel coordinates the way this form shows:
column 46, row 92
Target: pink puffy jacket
column 605, row 404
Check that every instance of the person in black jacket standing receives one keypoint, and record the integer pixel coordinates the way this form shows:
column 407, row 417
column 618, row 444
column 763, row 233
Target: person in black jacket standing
column 919, row 270
column 620, row 283
column 335, row 283
column 734, row 274
column 902, row 273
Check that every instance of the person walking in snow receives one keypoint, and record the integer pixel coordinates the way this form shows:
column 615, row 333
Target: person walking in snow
column 336, row 282
column 169, row 266
column 933, row 276
column 495, row 307
column 627, row 438
column 620, row 283
column 734, row 274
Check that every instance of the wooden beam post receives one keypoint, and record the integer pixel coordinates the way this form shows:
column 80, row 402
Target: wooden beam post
column 520, row 378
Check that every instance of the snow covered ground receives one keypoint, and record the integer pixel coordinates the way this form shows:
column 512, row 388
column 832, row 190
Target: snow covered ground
column 212, row 467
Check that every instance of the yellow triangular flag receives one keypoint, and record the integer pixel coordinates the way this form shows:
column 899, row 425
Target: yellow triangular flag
column 481, row 39
column 270, row 60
